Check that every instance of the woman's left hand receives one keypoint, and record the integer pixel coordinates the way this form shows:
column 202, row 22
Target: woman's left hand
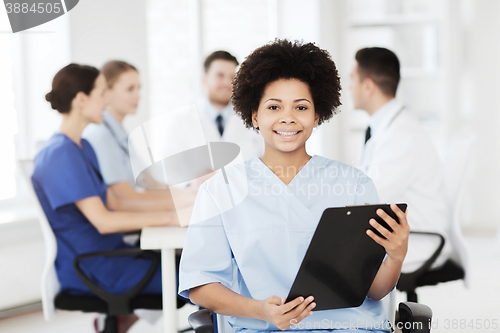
column 396, row 242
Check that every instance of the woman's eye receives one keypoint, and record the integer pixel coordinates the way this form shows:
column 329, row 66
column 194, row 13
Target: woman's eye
column 273, row 107
column 301, row 108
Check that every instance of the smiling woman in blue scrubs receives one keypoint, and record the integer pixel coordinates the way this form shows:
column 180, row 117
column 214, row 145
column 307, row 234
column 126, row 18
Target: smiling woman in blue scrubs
column 76, row 200
column 284, row 90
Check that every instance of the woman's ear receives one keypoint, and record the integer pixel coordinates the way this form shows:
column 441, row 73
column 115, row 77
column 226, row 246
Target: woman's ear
column 79, row 100
column 316, row 120
column 254, row 119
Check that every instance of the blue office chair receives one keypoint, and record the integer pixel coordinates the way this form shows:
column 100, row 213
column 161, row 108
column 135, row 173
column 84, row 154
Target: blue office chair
column 457, row 163
column 106, row 303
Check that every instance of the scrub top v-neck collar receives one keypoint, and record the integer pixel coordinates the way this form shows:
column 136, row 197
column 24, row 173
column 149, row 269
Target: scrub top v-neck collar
column 67, row 138
column 270, row 175
column 85, row 155
column 289, row 192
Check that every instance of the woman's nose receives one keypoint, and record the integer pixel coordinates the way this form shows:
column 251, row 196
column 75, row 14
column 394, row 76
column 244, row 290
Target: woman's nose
column 287, row 116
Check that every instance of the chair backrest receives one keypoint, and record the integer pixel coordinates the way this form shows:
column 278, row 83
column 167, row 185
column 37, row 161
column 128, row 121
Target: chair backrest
column 49, row 282
column 456, row 165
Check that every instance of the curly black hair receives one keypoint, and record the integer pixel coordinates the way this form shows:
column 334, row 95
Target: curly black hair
column 284, row 59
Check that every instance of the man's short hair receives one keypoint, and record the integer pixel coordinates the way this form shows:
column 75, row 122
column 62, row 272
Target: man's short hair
column 382, row 66
column 219, row 55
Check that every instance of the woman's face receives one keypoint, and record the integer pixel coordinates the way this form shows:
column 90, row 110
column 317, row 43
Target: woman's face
column 286, row 115
column 124, row 96
column 94, row 104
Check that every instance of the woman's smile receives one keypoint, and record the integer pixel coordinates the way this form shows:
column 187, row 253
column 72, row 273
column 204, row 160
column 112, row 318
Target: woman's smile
column 287, row 135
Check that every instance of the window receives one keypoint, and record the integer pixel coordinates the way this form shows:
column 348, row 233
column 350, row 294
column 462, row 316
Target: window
column 8, row 124
column 28, row 62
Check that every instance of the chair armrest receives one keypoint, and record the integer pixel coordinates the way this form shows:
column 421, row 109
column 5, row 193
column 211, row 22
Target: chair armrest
column 118, row 304
column 136, row 232
column 201, row 321
column 408, row 280
column 415, row 317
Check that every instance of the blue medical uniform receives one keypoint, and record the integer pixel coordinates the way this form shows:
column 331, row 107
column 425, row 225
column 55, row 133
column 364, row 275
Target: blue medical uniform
column 256, row 244
column 109, row 140
column 65, row 173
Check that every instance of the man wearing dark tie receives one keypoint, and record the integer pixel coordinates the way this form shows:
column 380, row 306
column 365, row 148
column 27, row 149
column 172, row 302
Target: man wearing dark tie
column 218, row 119
column 399, row 156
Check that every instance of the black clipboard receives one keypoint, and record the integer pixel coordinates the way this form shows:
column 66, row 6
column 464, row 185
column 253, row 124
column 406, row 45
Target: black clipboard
column 343, row 278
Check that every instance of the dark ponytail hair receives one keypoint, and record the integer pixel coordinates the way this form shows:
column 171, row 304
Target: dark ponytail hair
column 68, row 82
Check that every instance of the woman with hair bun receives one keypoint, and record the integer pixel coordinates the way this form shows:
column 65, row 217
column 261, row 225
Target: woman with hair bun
column 110, row 142
column 81, row 210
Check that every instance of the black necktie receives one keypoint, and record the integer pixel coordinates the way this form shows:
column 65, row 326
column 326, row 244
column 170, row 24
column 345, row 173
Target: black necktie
column 220, row 126
column 368, row 134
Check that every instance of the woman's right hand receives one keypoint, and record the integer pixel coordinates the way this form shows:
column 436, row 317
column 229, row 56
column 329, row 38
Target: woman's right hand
column 281, row 314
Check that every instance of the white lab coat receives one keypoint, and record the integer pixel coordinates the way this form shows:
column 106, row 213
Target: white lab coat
column 250, row 142
column 405, row 167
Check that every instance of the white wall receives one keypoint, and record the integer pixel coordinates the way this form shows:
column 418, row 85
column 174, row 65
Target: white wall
column 169, row 55
column 38, row 54
column 21, row 259
column 110, row 30
column 331, row 35
column 478, row 107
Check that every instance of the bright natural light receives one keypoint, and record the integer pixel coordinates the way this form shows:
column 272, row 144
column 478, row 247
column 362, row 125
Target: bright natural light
column 8, row 125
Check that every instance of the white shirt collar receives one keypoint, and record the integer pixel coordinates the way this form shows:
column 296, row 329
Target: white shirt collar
column 118, row 132
column 213, row 112
column 380, row 118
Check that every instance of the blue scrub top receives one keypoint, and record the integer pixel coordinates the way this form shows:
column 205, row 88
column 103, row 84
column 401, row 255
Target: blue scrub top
column 65, row 173
column 257, row 246
column 110, row 143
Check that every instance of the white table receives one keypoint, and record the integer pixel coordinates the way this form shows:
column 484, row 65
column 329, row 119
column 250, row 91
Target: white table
column 166, row 239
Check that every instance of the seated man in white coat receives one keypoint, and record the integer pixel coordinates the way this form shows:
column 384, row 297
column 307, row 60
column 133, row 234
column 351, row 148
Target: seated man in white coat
column 218, row 119
column 399, row 156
